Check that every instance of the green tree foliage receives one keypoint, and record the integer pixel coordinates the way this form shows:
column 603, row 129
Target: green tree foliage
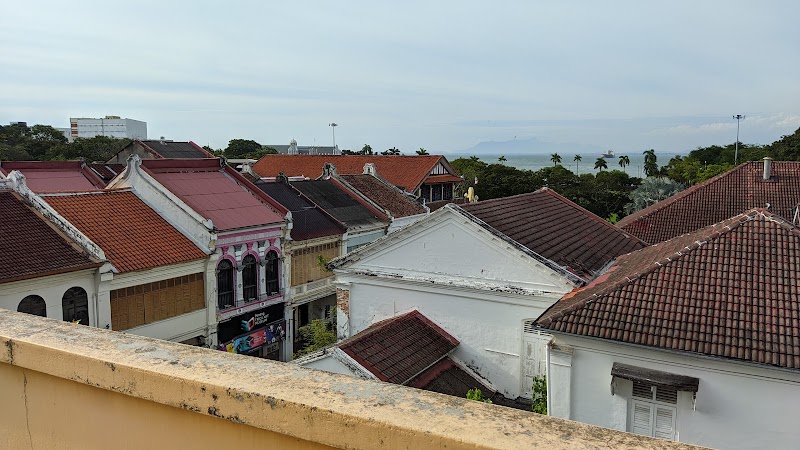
column 555, row 158
column 245, row 148
column 422, row 151
column 45, row 143
column 577, row 159
column 391, row 151
column 652, row 190
column 539, row 399
column 606, row 193
column 650, row 163
column 624, row 161
column 600, row 164
column 502, row 159
column 787, row 148
column 477, row 395
column 316, row 334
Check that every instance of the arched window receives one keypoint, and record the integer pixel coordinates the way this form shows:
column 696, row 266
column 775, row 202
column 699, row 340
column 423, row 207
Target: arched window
column 75, row 305
column 249, row 278
column 33, row 304
column 272, row 272
column 225, row 284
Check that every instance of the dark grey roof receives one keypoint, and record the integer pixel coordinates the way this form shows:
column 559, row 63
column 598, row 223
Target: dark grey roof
column 308, row 220
column 338, row 203
column 171, row 149
column 305, row 149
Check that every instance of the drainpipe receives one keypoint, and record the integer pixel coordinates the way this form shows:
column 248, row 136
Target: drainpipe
column 547, row 379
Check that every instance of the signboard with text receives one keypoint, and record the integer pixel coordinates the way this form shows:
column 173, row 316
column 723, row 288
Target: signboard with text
column 271, row 333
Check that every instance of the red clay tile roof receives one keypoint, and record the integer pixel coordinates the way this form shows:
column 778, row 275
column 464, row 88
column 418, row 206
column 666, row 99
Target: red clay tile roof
column 446, row 377
column 32, row 247
column 45, row 177
column 216, row 193
column 132, row 235
column 714, row 200
column 384, row 195
column 729, row 290
column 557, row 229
column 398, row 349
column 405, row 172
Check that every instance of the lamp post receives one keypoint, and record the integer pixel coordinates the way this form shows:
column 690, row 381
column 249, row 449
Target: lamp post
column 333, row 126
column 739, row 118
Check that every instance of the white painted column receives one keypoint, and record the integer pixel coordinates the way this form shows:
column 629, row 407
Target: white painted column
column 239, row 285
column 210, row 284
column 342, row 311
column 559, row 380
column 103, row 293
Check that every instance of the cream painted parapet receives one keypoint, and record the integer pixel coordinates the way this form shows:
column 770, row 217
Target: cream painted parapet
column 145, row 393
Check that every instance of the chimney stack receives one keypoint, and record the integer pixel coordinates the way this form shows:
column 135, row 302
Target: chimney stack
column 767, row 168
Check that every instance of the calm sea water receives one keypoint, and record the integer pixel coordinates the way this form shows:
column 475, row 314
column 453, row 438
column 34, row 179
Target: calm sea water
column 586, row 165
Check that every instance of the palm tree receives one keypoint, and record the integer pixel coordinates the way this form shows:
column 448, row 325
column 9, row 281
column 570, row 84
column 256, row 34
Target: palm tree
column 366, row 149
column 422, row 151
column 650, row 163
column 601, row 164
column 577, row 159
column 624, row 161
column 652, row 190
column 556, row 158
column 502, row 158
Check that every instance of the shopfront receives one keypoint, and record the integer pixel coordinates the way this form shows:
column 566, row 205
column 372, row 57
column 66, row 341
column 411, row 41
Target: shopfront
column 258, row 333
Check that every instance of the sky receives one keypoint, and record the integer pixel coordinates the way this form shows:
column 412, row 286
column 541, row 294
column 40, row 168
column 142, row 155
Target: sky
column 443, row 75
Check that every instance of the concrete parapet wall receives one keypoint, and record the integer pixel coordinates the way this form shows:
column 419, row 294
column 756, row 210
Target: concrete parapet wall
column 70, row 386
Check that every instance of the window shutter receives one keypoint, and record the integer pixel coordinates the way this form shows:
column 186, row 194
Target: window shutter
column 665, row 423
column 642, row 422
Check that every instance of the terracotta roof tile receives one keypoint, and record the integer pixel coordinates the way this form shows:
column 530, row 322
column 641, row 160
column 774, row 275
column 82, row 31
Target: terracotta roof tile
column 132, row 235
column 384, row 195
column 405, row 172
column 31, row 246
column 45, row 177
column 714, row 200
column 446, row 377
column 399, row 348
column 557, row 229
column 728, row 290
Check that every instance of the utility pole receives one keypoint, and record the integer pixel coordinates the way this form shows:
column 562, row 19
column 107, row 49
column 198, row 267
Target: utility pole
column 333, row 126
column 739, row 118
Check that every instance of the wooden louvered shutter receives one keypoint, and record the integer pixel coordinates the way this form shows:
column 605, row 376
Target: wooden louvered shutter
column 642, row 421
column 665, row 422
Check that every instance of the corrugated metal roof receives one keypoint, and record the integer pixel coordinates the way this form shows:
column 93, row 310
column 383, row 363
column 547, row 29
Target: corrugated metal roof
column 44, row 177
column 309, row 221
column 183, row 150
column 338, row 203
column 217, row 196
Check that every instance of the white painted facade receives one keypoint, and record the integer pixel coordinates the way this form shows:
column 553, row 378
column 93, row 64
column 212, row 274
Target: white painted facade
column 738, row 405
column 111, row 126
column 473, row 283
column 52, row 289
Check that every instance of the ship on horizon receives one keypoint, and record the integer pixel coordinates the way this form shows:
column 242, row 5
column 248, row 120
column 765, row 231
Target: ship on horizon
column 607, row 154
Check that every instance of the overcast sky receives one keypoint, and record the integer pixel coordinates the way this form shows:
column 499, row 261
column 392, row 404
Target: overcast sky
column 433, row 74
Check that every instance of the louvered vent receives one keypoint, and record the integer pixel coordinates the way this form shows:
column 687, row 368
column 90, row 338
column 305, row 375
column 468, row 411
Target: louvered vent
column 667, row 395
column 642, row 390
column 662, row 394
column 527, row 326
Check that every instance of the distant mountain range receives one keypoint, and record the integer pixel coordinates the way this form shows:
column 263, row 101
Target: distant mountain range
column 529, row 146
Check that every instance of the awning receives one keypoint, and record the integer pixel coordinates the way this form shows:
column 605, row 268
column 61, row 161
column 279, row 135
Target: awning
column 656, row 377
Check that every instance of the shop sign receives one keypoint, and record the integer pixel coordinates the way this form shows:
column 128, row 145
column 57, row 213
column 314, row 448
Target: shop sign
column 272, row 333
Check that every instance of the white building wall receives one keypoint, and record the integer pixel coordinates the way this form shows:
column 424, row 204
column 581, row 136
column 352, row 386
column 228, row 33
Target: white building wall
column 52, row 290
column 111, row 127
column 487, row 324
column 738, row 405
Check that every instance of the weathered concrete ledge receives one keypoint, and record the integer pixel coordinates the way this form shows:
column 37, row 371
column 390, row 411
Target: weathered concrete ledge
column 211, row 387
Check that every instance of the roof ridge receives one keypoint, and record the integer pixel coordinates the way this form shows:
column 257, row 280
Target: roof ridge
column 591, row 215
column 652, row 209
column 736, row 222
